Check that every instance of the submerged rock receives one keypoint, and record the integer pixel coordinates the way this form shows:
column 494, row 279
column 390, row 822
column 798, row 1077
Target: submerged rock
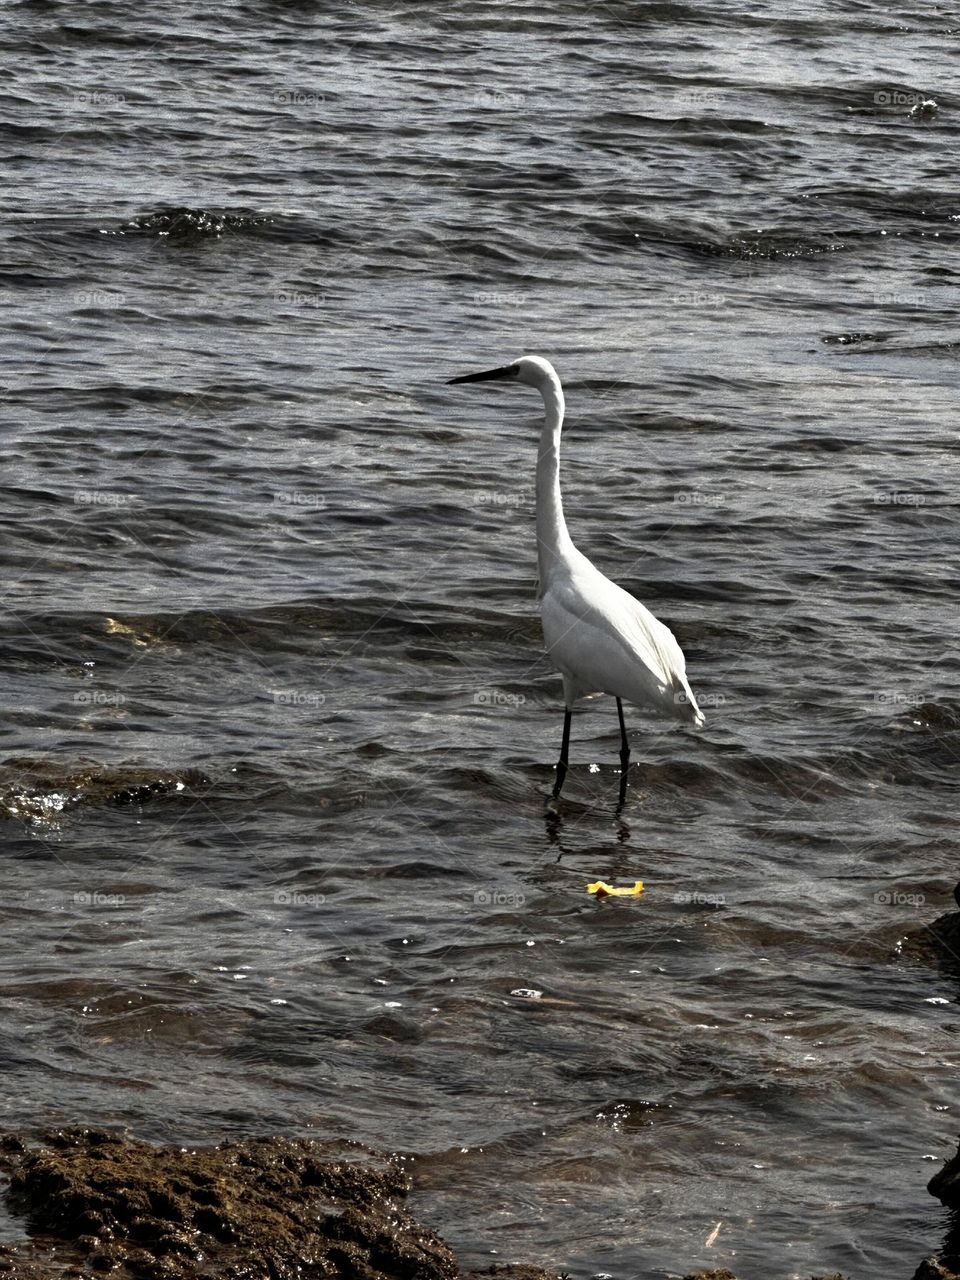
column 722, row 1274
column 938, row 941
column 184, row 223
column 268, row 1207
column 40, row 791
column 934, row 1269
column 945, row 1185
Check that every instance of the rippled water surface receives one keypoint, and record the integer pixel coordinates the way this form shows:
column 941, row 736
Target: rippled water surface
column 277, row 728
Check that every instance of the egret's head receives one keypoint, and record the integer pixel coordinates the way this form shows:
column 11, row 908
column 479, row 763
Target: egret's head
column 534, row 371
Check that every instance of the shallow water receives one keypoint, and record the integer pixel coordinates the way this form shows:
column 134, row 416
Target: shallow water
column 277, row 727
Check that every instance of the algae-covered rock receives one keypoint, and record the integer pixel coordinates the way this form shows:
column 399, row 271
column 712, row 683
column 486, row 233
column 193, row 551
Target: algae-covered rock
column 722, row 1274
column 97, row 1203
column 934, row 1269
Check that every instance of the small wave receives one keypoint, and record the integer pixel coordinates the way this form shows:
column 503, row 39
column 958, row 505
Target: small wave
column 772, row 246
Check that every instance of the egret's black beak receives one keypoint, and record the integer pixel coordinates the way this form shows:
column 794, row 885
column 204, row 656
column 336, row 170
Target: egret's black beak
column 505, row 371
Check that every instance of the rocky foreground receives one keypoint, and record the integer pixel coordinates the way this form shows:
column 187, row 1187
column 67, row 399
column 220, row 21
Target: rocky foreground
column 275, row 1208
column 98, row 1204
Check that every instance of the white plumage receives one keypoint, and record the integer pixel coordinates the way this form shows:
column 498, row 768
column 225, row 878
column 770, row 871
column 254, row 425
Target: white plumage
column 604, row 641
column 600, row 638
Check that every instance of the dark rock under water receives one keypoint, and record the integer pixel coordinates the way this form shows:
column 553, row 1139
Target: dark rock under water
column 181, row 222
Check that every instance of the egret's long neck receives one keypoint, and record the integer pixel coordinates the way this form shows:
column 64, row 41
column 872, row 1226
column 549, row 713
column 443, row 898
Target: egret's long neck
column 552, row 537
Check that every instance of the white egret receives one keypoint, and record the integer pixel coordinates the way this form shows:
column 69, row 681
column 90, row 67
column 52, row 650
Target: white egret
column 600, row 638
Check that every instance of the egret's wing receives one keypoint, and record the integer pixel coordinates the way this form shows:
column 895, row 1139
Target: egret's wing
column 657, row 647
column 589, row 600
column 650, row 637
column 597, row 602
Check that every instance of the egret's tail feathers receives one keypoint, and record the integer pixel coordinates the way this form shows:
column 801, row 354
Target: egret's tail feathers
column 686, row 704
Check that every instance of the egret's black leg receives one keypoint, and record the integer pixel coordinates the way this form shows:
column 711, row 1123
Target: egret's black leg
column 624, row 744
column 624, row 754
column 564, row 753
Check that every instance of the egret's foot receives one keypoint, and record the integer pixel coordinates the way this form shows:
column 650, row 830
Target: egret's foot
column 624, row 779
column 552, row 798
column 624, row 768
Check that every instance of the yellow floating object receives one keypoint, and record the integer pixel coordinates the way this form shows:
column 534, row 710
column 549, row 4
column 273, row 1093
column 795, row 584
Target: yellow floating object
column 604, row 890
